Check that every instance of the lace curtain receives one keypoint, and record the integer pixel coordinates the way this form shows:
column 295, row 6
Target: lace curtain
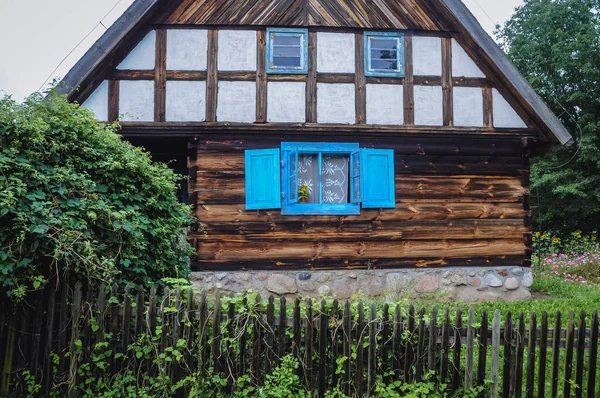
column 334, row 180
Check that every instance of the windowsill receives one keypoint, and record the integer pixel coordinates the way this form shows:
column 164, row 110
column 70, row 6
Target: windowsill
column 301, row 209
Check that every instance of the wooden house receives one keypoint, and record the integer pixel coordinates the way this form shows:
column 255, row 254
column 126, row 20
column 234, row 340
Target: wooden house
column 321, row 134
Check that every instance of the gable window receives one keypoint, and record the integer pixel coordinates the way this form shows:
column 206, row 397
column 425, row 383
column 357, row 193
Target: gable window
column 384, row 54
column 287, row 51
column 319, row 179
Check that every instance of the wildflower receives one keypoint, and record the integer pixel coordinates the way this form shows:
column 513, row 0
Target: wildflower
column 544, row 236
column 537, row 234
column 555, row 240
column 594, row 238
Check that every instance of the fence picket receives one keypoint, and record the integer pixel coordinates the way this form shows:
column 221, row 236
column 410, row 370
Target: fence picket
column 508, row 359
column 520, row 349
column 408, row 356
column 445, row 347
column 556, row 337
column 139, row 310
column 282, row 328
column 256, row 341
column 360, row 350
column 570, row 342
column 49, row 342
column 457, row 351
column 243, row 339
column 531, row 347
column 494, row 373
column 420, row 347
column 482, row 354
column 469, row 348
column 269, row 335
column 432, row 346
column 114, row 326
column 308, row 344
column 543, row 356
column 75, row 313
column 323, row 324
column 593, row 356
column 126, row 325
column 580, row 356
column 346, row 344
column 385, row 337
column 372, row 361
column 397, row 342
column 335, row 343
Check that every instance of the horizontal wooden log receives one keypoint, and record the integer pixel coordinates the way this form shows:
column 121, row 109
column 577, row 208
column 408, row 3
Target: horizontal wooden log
column 133, row 75
column 264, row 250
column 372, row 263
column 335, row 78
column 404, row 211
column 286, row 78
column 185, row 75
column 237, row 76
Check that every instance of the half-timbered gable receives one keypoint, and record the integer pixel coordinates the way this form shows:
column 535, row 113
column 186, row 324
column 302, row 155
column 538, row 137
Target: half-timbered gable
column 332, row 134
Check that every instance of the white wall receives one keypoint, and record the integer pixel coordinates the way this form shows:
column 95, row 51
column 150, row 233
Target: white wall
column 236, row 102
column 186, row 101
column 462, row 64
column 504, row 114
column 237, row 50
column 385, row 104
column 335, row 103
column 468, row 107
column 136, row 101
column 335, row 52
column 427, row 56
column 286, row 102
column 187, row 49
column 428, row 106
column 143, row 56
column 98, row 102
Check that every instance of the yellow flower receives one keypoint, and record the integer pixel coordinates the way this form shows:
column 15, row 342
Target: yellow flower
column 577, row 234
column 533, row 239
column 537, row 234
column 544, row 236
column 555, row 240
column 594, row 238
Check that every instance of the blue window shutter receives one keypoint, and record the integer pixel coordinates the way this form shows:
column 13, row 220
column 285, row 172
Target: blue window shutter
column 263, row 179
column 355, row 191
column 377, row 178
column 291, row 173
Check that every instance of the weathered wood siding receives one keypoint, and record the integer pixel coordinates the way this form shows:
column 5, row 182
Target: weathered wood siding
column 460, row 201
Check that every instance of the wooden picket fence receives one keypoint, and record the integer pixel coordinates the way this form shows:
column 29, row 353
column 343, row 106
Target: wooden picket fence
column 348, row 345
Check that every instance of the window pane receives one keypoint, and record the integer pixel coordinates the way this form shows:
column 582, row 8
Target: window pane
column 286, row 51
column 384, row 44
column 335, row 179
column 280, row 40
column 308, row 173
column 383, row 54
column 287, row 62
column 384, row 65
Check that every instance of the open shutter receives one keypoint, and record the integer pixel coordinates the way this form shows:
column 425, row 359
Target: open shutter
column 377, row 178
column 291, row 173
column 263, row 179
column 355, row 191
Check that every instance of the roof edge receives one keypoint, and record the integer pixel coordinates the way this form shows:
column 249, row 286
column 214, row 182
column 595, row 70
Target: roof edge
column 510, row 72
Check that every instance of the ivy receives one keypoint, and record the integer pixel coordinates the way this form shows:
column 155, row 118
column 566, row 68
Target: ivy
column 77, row 202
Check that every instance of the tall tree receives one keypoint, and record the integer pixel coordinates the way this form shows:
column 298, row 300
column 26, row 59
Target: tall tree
column 556, row 45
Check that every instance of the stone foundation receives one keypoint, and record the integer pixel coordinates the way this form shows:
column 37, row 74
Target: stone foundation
column 449, row 284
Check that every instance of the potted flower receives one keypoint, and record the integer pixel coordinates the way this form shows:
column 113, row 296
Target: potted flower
column 303, row 193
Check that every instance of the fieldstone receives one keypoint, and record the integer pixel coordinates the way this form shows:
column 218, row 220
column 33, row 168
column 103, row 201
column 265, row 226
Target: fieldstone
column 472, row 274
column 493, row 281
column 528, row 279
column 243, row 277
column 456, row 278
column 281, row 284
column 306, row 286
column 475, row 282
column 324, row 290
column 427, row 284
column 263, row 276
column 219, row 285
column 481, row 272
column 304, row 276
column 518, row 271
column 373, row 288
column 353, row 276
column 512, row 284
column 222, row 275
column 208, row 279
column 324, row 278
column 503, row 272
column 397, row 282
column 343, row 288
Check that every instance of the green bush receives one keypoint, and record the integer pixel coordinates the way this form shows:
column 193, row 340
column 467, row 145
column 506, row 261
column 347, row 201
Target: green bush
column 77, row 202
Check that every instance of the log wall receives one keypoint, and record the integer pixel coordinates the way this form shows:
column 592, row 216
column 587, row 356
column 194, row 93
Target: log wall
column 461, row 201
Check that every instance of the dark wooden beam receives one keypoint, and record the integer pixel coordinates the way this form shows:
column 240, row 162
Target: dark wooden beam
column 113, row 100
column 160, row 76
column 133, row 74
column 261, row 77
column 384, row 80
column 311, row 80
column 409, row 90
column 212, row 78
column 237, row 76
column 360, row 81
column 286, row 78
column 488, row 107
column 186, row 75
column 448, row 100
column 336, row 78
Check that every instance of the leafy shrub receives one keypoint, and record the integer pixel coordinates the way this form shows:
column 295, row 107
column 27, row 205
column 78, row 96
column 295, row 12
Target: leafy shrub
column 78, row 202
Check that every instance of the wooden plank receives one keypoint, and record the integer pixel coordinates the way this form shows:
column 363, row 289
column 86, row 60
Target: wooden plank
column 186, row 75
column 269, row 335
column 311, row 80
column 202, row 337
column 296, row 339
column 488, row 107
column 494, row 372
column 189, row 332
column 241, row 368
column 409, row 92
column 308, row 345
column 570, row 342
column 445, row 347
column 593, row 357
column 432, row 341
column 531, row 348
column 126, row 321
column 75, row 314
column 230, row 350
column 346, row 347
column 482, row 352
column 470, row 350
column 282, row 330
column 237, row 76
column 261, row 77
column 212, row 80
column 447, row 87
column 520, row 348
column 409, row 352
column 323, row 342
column 580, row 355
column 348, row 78
column 397, row 342
column 556, row 354
column 113, row 100
column 140, row 304
column 372, row 353
column 360, row 335
column 457, row 352
column 541, row 385
column 217, row 337
column 176, row 322
column 336, row 319
column 160, row 79
column 508, row 369
column 257, row 374
column 360, row 82
column 385, row 340
column 49, row 338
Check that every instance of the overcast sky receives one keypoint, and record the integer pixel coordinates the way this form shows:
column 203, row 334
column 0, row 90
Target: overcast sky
column 37, row 35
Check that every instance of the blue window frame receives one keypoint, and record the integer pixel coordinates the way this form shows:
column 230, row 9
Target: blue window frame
column 287, row 51
column 384, row 54
column 340, row 178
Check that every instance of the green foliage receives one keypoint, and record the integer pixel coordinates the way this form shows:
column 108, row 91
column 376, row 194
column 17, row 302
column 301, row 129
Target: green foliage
column 556, row 45
column 78, row 202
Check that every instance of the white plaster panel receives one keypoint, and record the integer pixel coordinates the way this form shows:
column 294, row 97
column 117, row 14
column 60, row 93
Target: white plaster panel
column 504, row 114
column 335, row 103
column 236, row 102
column 237, row 50
column 468, row 107
column 286, row 102
column 143, row 56
column 136, row 101
column 427, row 56
column 187, row 49
column 385, row 104
column 98, row 102
column 428, row 106
column 462, row 64
column 186, row 101
column 335, row 52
